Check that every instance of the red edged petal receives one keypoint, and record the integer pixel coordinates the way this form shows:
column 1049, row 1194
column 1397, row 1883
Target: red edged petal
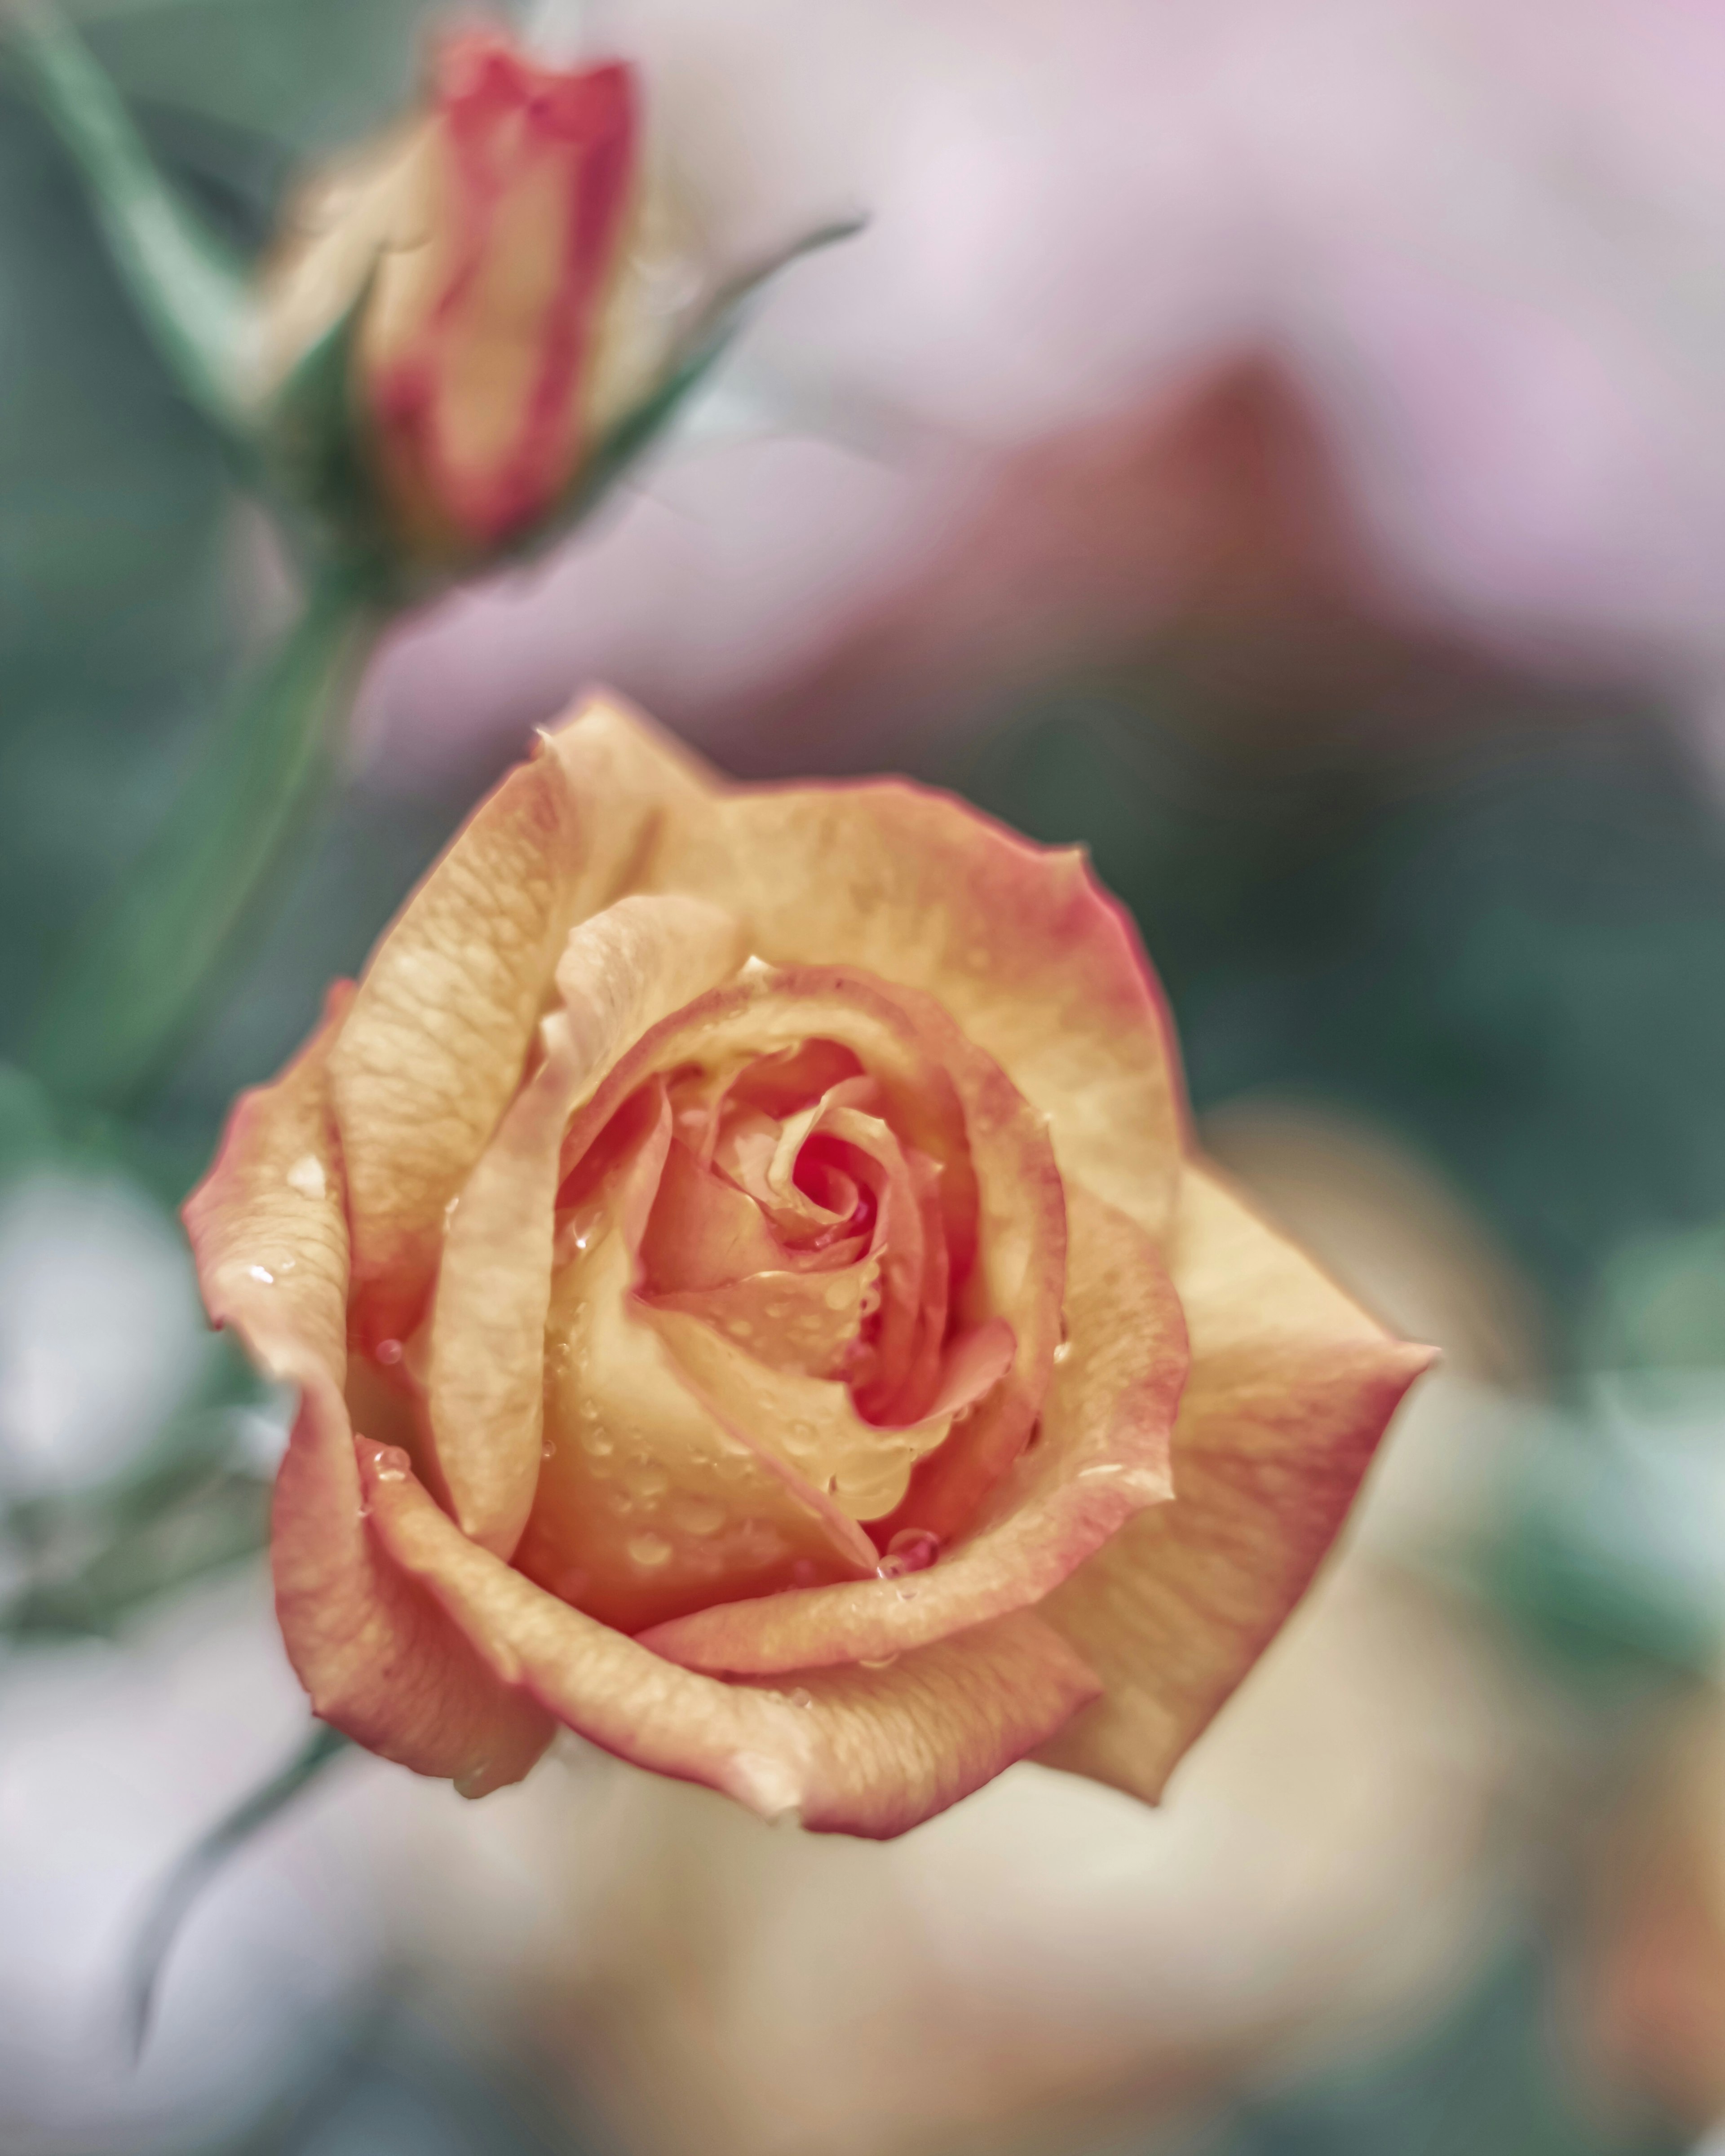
column 1101, row 1456
column 1291, row 1388
column 1036, row 964
column 621, row 972
column 377, row 1655
column 433, row 1049
column 848, row 1751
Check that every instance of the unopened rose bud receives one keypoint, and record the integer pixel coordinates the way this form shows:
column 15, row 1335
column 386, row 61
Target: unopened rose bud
column 500, row 310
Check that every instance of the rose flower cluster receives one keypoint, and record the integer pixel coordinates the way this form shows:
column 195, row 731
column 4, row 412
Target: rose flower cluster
column 752, row 1302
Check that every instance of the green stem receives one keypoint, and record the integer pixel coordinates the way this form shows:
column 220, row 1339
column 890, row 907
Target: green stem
column 192, row 295
column 195, row 1870
column 132, row 992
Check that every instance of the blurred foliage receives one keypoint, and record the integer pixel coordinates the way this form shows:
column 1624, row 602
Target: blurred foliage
column 1486, row 928
column 135, row 580
column 1493, row 2079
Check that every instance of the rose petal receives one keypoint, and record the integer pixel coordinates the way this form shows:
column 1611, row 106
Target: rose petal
column 648, row 1503
column 1040, row 968
column 949, row 1101
column 621, row 973
column 1291, row 1388
column 434, row 1047
column 377, row 1655
column 871, row 1753
column 806, row 1322
column 704, row 1232
column 812, row 1423
column 1100, row 1456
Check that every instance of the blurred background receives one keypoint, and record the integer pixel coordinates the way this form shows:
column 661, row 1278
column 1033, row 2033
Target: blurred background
column 1285, row 450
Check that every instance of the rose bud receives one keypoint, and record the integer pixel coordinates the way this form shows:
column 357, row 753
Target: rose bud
column 752, row 1302
column 491, row 292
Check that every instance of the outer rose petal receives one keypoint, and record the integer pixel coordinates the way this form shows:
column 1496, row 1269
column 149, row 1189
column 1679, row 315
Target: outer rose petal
column 871, row 1753
column 434, row 1047
column 1291, row 1388
column 1102, row 1456
column 377, row 1655
column 620, row 972
column 1038, row 967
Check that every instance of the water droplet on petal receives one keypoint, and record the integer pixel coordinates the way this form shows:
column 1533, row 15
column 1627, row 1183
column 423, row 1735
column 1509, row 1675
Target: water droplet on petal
column 262, row 1275
column 911, row 1549
column 885, row 1662
column 699, row 1516
column 1063, row 1351
column 474, row 1782
column 799, row 1698
column 307, row 1176
column 649, row 1552
column 837, row 1295
column 388, row 1352
column 548, row 1450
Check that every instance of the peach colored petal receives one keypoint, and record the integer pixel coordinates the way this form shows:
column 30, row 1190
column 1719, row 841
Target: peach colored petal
column 949, row 1101
column 434, row 1047
column 811, row 1423
column 648, row 1503
column 621, row 973
column 1042, row 970
column 377, row 1653
column 1291, row 1388
column 704, row 1232
column 806, row 1322
column 1021, row 1271
column 848, row 1751
column 1102, row 1455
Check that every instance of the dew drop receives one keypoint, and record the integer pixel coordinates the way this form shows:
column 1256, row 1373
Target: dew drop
column 388, row 1352
column 648, row 1552
column 307, row 1176
column 799, row 1698
column 473, row 1782
column 906, row 1592
column 885, row 1662
column 699, row 1516
column 598, row 1445
column 911, row 1549
column 1063, row 1351
column 837, row 1295
column 650, row 1482
column 262, row 1275
column 804, row 1572
column 548, row 1450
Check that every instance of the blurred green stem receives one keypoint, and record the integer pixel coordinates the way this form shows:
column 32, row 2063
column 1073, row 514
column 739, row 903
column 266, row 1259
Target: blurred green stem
column 133, row 991
column 193, row 295
column 195, row 1870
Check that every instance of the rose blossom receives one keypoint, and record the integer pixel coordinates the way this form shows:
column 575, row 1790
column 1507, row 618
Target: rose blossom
column 741, row 1263
column 508, row 317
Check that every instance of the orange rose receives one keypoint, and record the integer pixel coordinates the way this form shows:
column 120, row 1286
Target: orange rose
column 503, row 324
column 741, row 1263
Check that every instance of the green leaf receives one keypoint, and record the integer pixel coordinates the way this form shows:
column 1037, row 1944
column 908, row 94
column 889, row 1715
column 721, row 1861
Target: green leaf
column 200, row 1864
column 193, row 296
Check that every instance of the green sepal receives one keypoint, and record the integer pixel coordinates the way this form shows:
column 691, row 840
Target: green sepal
column 314, row 439
column 192, row 295
column 708, row 339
